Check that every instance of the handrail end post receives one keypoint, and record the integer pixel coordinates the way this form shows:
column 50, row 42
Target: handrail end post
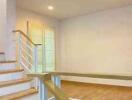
column 57, row 80
column 43, row 91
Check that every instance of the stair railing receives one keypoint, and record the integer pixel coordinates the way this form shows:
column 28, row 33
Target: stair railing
column 51, row 82
column 27, row 54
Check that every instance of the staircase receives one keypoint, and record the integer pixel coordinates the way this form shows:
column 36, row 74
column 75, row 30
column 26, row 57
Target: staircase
column 14, row 84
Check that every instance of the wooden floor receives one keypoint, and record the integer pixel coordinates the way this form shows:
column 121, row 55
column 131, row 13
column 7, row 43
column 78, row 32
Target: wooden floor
column 85, row 91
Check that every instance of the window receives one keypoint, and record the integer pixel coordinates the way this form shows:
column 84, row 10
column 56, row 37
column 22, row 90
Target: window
column 46, row 52
column 49, row 48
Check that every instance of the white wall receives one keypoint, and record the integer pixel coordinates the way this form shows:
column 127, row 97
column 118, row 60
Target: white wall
column 2, row 24
column 98, row 43
column 11, row 25
column 7, row 24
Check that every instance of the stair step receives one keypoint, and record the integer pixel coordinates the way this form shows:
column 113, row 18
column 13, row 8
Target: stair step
column 8, row 66
column 19, row 95
column 2, row 52
column 13, row 82
column 2, row 56
column 4, row 65
column 11, row 61
column 20, row 86
column 11, row 74
column 10, row 71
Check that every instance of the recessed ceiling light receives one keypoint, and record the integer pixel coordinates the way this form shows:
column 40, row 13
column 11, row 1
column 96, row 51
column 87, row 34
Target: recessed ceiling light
column 50, row 7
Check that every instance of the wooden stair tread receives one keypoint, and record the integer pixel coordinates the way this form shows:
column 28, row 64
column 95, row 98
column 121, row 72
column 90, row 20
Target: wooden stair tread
column 11, row 71
column 2, row 52
column 20, row 94
column 11, row 61
column 14, row 82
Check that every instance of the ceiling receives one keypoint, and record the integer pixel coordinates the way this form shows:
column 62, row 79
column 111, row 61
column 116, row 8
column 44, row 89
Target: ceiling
column 69, row 8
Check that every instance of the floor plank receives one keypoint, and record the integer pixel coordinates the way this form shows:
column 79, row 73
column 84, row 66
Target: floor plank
column 85, row 91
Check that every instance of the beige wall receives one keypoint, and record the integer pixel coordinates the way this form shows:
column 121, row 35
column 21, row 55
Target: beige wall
column 98, row 43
